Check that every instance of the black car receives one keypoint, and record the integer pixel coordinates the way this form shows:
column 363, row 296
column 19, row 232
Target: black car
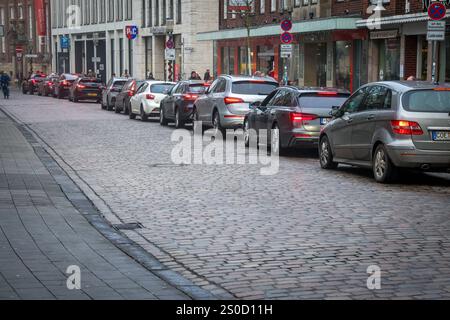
column 30, row 86
column 178, row 106
column 86, row 89
column 122, row 102
column 62, row 86
column 292, row 117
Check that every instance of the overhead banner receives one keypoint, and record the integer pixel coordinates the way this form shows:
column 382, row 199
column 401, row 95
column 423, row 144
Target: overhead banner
column 41, row 21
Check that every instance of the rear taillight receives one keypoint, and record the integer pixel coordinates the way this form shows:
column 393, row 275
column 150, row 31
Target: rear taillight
column 299, row 119
column 130, row 93
column 231, row 100
column 404, row 127
column 327, row 93
column 190, row 97
column 81, row 86
column 50, row 83
column 64, row 83
column 150, row 97
column 33, row 81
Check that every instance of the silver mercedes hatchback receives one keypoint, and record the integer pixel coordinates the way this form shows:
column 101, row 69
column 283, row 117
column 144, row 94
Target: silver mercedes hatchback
column 390, row 125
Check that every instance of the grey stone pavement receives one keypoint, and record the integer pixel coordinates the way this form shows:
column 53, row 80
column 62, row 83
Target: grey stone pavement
column 303, row 233
column 42, row 234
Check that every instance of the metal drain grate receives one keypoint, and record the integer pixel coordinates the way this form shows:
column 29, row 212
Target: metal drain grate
column 128, row 226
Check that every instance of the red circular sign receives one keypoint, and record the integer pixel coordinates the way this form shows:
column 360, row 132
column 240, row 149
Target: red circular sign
column 437, row 11
column 286, row 25
column 287, row 38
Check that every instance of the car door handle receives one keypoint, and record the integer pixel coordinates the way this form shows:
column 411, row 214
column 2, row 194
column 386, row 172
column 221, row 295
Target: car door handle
column 371, row 117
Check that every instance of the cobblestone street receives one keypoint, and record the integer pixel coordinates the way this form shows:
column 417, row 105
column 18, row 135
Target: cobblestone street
column 304, row 233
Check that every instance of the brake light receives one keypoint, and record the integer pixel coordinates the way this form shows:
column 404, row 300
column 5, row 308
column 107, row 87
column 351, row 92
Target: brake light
column 327, row 93
column 64, row 83
column 441, row 89
column 80, row 86
column 33, row 81
column 130, row 93
column 190, row 97
column 404, row 127
column 50, row 83
column 150, row 97
column 231, row 100
column 298, row 119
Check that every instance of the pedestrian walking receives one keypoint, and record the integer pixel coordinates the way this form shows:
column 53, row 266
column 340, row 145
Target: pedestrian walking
column 4, row 82
column 194, row 76
column 126, row 74
column 207, row 76
column 150, row 76
column 91, row 74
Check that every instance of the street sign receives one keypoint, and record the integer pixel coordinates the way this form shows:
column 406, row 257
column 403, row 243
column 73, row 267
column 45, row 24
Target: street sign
column 19, row 49
column 287, row 38
column 286, row 51
column 65, row 42
column 170, row 44
column 286, row 25
column 31, row 56
column 170, row 54
column 437, row 11
column 436, row 31
column 131, row 32
column 96, row 59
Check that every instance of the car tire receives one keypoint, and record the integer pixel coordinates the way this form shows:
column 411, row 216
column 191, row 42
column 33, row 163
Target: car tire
column 39, row 93
column 131, row 115
column 179, row 123
column 275, row 141
column 248, row 134
column 75, row 100
column 383, row 169
column 326, row 155
column 162, row 118
column 116, row 110
column 24, row 91
column 31, row 92
column 143, row 115
column 108, row 105
column 59, row 96
column 217, row 125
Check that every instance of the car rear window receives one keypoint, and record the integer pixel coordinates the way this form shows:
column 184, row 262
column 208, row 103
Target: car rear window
column 119, row 84
column 161, row 88
column 70, row 77
column 317, row 101
column 94, row 81
column 197, row 88
column 427, row 101
column 262, row 88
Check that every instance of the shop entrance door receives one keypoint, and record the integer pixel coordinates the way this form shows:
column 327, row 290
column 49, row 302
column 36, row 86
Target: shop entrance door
column 315, row 65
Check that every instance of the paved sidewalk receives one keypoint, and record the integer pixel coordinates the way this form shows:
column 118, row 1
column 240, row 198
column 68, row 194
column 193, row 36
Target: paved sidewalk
column 42, row 234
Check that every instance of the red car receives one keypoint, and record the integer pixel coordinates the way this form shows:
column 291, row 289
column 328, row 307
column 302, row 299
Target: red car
column 30, row 85
column 47, row 86
column 63, row 85
column 86, row 89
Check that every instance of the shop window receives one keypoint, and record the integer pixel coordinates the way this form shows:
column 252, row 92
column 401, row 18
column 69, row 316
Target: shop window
column 343, row 72
column 389, row 64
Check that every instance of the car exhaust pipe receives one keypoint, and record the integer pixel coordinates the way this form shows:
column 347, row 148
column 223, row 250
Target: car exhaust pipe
column 425, row 167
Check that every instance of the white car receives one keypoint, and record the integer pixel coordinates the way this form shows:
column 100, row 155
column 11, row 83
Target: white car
column 146, row 102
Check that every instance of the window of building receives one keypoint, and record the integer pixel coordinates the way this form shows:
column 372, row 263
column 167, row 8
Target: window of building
column 389, row 59
column 225, row 9
column 30, row 23
column 119, row 15
column 157, row 13
column 179, row 12
column 164, row 12
column 110, row 10
column 129, row 9
column 273, row 5
column 2, row 21
column 94, row 16
column 148, row 56
column 113, row 55
column 262, row 6
column 342, row 64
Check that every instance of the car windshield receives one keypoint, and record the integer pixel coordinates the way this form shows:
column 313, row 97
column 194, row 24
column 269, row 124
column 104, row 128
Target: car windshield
column 161, row 88
column 437, row 101
column 197, row 88
column 250, row 87
column 316, row 101
column 70, row 77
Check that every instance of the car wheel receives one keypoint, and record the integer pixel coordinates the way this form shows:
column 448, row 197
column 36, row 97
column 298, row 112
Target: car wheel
column 162, row 118
column 326, row 154
column 74, row 99
column 127, row 109
column 131, row 115
column 248, row 134
column 179, row 123
column 217, row 125
column 143, row 115
column 108, row 105
column 39, row 93
column 383, row 168
column 59, row 95
column 24, row 91
column 116, row 110
column 275, row 141
column 31, row 92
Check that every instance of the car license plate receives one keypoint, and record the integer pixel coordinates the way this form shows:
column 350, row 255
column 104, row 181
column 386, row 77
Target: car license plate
column 441, row 135
column 324, row 121
column 92, row 94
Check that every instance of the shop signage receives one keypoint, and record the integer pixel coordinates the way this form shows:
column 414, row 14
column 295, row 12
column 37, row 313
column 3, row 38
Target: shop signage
column 170, row 54
column 41, row 20
column 131, row 32
column 31, row 56
column 239, row 5
column 384, row 34
column 158, row 31
column 437, row 11
column 286, row 51
column 436, row 31
column 96, row 59
column 287, row 38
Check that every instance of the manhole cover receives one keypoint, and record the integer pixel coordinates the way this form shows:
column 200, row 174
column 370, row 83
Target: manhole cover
column 128, row 226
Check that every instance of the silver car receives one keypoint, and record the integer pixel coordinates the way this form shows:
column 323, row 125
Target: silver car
column 112, row 89
column 227, row 101
column 389, row 125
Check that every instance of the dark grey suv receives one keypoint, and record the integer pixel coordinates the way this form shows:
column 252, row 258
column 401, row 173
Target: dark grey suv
column 390, row 125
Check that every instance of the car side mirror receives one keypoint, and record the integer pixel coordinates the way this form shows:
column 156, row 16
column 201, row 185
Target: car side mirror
column 255, row 105
column 335, row 111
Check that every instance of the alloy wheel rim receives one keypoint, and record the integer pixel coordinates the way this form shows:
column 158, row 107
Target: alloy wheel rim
column 324, row 154
column 276, row 140
column 246, row 133
column 380, row 164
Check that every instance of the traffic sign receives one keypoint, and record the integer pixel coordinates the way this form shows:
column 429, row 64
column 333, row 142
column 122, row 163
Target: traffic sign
column 286, row 51
column 131, row 32
column 286, row 25
column 170, row 44
column 19, row 49
column 437, row 11
column 287, row 38
column 436, row 31
column 65, row 42
column 170, row 54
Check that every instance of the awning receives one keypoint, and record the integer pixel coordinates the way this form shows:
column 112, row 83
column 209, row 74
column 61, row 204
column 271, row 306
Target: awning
column 317, row 25
column 399, row 19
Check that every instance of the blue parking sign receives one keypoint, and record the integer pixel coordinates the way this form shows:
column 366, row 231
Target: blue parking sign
column 65, row 42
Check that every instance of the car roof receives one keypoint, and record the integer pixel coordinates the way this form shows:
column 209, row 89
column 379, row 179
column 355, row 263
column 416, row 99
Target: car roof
column 120, row 79
column 316, row 89
column 159, row 82
column 403, row 86
column 235, row 78
column 194, row 81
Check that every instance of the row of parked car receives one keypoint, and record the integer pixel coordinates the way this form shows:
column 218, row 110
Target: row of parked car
column 384, row 126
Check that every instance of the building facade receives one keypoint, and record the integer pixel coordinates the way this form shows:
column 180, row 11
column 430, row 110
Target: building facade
column 25, row 45
column 337, row 43
column 92, row 35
